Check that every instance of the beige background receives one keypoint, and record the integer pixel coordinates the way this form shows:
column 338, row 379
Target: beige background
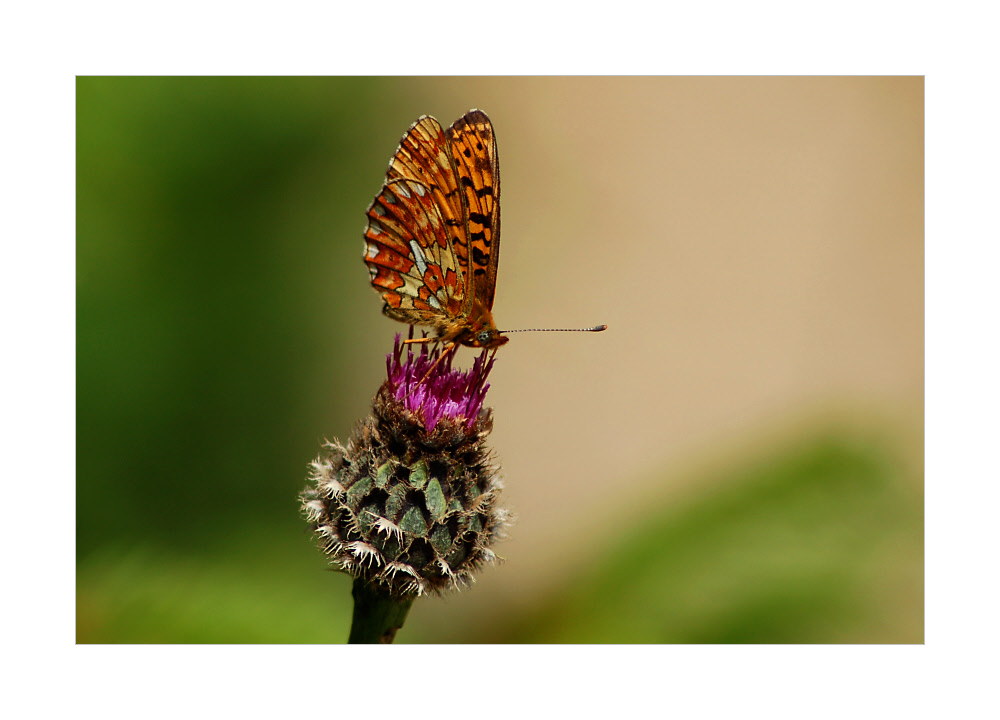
column 755, row 246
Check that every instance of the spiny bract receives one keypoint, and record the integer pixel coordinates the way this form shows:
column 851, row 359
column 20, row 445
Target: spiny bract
column 415, row 511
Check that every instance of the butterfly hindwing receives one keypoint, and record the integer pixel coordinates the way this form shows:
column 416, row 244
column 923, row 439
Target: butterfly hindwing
column 424, row 154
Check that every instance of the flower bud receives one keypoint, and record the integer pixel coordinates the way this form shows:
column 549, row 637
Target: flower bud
column 411, row 501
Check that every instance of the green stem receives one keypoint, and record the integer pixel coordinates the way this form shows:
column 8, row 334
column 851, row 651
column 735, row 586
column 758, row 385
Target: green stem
column 377, row 615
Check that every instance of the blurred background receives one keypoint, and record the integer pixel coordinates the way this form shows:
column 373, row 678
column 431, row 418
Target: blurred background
column 739, row 458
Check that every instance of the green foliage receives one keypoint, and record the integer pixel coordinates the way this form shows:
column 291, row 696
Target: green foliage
column 819, row 543
column 273, row 588
column 214, row 296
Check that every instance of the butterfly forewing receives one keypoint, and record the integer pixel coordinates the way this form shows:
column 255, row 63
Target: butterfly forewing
column 473, row 146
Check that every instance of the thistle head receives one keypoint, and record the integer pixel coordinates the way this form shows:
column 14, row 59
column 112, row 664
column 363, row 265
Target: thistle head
column 410, row 502
column 428, row 386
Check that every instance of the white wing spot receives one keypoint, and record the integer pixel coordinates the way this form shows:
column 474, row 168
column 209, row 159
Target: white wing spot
column 374, row 227
column 433, row 302
column 420, row 190
column 371, row 252
column 418, row 257
column 402, row 190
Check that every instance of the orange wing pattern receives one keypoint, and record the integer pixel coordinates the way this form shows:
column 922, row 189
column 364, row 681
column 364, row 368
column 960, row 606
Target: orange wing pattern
column 478, row 165
column 409, row 257
column 433, row 237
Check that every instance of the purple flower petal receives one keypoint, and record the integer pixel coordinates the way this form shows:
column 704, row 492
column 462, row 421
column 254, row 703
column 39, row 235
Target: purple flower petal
column 428, row 386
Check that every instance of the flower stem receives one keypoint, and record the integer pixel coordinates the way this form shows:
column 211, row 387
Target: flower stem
column 377, row 615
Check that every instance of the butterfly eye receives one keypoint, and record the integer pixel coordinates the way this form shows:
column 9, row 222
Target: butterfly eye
column 483, row 336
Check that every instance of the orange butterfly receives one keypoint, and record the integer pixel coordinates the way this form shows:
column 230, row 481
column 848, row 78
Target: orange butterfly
column 433, row 238
column 432, row 244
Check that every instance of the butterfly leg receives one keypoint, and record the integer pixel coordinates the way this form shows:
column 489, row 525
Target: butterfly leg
column 449, row 348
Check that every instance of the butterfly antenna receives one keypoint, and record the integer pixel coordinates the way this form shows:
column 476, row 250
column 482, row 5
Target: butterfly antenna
column 596, row 328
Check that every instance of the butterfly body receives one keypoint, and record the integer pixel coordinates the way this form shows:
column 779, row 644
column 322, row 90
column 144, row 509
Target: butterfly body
column 432, row 243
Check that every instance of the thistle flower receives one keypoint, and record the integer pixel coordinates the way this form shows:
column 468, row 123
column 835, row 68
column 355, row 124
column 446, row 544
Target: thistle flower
column 410, row 504
column 442, row 393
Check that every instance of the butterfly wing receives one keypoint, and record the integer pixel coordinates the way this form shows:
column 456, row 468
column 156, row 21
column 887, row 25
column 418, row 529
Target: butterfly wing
column 410, row 258
column 424, row 155
column 474, row 153
column 433, row 235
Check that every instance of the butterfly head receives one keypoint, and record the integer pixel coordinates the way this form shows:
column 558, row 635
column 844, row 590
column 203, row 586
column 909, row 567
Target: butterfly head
column 488, row 338
column 478, row 330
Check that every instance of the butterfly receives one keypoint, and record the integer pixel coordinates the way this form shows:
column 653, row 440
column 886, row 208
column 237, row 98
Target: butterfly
column 432, row 243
